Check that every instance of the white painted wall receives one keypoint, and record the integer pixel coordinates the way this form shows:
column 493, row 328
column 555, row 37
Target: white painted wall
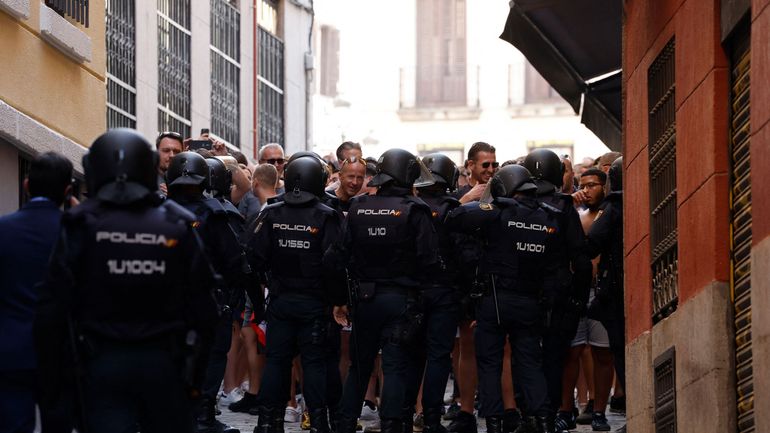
column 296, row 27
column 147, row 69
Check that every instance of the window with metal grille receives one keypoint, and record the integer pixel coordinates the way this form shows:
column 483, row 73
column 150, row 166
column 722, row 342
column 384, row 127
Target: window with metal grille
column 75, row 9
column 225, row 70
column 174, row 66
column 441, row 53
column 740, row 225
column 121, row 64
column 665, row 392
column 270, row 88
column 662, row 160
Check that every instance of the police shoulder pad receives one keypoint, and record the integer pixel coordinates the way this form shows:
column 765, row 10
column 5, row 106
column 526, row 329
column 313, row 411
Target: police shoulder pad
column 550, row 208
column 418, row 202
column 177, row 212
column 214, row 206
column 80, row 212
column 232, row 210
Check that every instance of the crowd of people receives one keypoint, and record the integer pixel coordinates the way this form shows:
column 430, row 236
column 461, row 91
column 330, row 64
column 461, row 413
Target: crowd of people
column 314, row 290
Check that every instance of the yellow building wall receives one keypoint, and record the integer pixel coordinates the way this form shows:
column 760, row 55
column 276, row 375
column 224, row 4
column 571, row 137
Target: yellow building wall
column 47, row 85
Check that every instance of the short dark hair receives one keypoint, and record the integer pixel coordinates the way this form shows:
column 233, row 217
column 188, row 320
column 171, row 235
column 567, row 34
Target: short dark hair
column 240, row 157
column 49, row 175
column 169, row 134
column 479, row 146
column 595, row 172
column 347, row 145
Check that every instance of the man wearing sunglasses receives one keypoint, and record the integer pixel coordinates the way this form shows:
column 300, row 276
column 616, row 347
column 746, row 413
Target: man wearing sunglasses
column 272, row 154
column 482, row 165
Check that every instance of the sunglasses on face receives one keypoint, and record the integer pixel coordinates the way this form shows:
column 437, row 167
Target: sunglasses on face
column 488, row 163
column 274, row 161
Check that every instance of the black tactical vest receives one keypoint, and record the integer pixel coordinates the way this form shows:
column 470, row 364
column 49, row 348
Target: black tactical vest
column 297, row 246
column 518, row 245
column 382, row 248
column 132, row 272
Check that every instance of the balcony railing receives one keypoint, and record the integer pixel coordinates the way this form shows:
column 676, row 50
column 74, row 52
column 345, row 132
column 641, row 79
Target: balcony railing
column 75, row 9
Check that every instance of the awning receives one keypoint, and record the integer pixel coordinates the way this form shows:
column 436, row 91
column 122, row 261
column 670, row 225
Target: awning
column 576, row 47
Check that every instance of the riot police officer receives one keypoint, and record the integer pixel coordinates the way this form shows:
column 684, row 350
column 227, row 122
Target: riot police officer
column 440, row 304
column 188, row 177
column 566, row 289
column 389, row 243
column 288, row 245
column 517, row 236
column 129, row 274
column 606, row 238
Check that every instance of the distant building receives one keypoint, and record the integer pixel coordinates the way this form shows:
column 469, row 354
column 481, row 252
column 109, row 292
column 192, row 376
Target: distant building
column 445, row 82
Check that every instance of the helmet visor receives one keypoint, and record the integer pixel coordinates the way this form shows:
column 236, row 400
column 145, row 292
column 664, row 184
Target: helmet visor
column 426, row 178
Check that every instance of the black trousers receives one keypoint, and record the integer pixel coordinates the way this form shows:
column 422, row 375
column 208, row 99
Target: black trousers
column 432, row 355
column 130, row 384
column 296, row 323
column 374, row 323
column 520, row 322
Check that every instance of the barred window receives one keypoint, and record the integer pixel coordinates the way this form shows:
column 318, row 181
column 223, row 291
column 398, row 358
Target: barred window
column 121, row 64
column 75, row 9
column 662, row 153
column 270, row 88
column 225, row 70
column 174, row 66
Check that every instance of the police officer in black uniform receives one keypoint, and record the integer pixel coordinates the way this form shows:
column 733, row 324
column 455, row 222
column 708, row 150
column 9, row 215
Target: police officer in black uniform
column 287, row 246
column 389, row 243
column 565, row 290
column 188, row 177
column 129, row 288
column 606, row 238
column 440, row 303
column 517, row 235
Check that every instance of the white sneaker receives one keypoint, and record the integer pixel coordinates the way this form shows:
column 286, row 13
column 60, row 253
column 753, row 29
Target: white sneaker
column 245, row 386
column 292, row 415
column 368, row 414
column 373, row 427
column 225, row 399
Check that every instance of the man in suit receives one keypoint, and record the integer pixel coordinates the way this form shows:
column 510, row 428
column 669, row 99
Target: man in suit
column 27, row 237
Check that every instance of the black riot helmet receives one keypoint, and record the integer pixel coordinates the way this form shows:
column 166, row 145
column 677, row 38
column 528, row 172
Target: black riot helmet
column 303, row 153
column 121, row 167
column 546, row 168
column 443, row 169
column 220, row 178
column 188, row 168
column 304, row 179
column 616, row 175
column 510, row 180
column 403, row 168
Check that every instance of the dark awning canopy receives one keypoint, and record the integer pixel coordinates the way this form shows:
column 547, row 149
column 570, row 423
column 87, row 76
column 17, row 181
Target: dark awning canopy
column 576, row 47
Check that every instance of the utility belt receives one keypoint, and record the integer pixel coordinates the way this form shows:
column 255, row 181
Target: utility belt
column 482, row 286
column 365, row 290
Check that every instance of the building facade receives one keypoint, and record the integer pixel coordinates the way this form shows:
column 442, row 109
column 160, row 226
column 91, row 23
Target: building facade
column 438, row 83
column 697, row 227
column 51, row 85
